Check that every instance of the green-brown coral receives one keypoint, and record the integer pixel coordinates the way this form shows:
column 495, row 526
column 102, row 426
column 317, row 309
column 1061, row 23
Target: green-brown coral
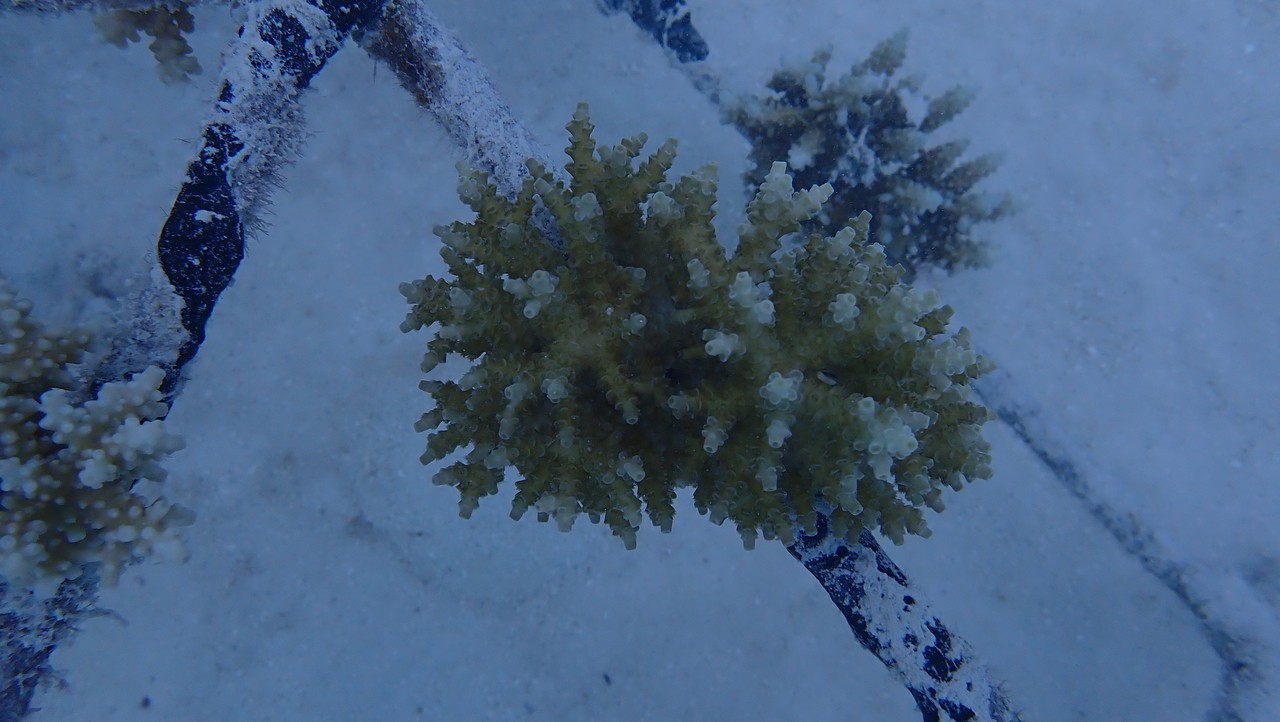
column 167, row 26
column 71, row 468
column 631, row 357
column 856, row 131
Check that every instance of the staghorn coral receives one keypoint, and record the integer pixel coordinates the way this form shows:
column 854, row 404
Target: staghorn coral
column 633, row 358
column 856, row 133
column 70, row 467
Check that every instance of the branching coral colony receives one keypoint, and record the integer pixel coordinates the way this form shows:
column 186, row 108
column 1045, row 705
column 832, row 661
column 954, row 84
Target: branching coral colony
column 631, row 357
column 856, row 131
column 70, row 467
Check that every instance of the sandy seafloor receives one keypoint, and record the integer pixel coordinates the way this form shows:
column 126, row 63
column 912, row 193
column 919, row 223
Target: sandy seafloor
column 1134, row 297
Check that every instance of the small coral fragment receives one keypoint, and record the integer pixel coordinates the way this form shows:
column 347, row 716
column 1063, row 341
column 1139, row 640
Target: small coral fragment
column 166, row 26
column 72, row 468
column 857, row 133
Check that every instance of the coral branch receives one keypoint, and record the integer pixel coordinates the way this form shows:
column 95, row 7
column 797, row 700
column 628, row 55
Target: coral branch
column 857, row 133
column 797, row 369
